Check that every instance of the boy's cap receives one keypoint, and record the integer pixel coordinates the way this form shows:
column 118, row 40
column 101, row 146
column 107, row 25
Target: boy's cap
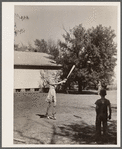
column 103, row 92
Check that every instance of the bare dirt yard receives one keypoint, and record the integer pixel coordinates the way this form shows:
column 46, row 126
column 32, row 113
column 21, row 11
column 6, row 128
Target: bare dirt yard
column 75, row 123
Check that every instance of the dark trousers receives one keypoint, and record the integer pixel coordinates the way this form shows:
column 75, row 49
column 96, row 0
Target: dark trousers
column 101, row 120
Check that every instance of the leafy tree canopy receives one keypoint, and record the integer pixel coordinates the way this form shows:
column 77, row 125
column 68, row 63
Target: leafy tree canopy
column 93, row 51
column 47, row 47
column 41, row 45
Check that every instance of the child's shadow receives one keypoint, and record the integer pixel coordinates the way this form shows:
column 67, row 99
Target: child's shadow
column 41, row 115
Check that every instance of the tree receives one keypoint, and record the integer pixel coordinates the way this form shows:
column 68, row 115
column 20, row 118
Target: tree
column 93, row 52
column 41, row 45
column 20, row 48
column 103, row 53
column 53, row 50
column 16, row 47
column 16, row 30
column 48, row 47
column 31, row 48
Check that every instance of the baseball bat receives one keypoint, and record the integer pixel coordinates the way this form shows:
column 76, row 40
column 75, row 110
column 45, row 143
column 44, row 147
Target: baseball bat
column 71, row 71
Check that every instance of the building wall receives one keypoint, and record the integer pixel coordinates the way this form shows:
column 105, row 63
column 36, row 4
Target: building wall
column 25, row 78
column 29, row 78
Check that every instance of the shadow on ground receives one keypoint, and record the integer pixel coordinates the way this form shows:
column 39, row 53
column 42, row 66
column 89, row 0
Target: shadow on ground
column 75, row 133
column 41, row 115
column 85, row 134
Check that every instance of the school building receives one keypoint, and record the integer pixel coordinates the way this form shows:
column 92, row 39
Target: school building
column 27, row 68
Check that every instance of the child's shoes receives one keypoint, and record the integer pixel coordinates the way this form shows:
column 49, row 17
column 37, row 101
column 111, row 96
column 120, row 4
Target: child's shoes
column 47, row 116
column 53, row 117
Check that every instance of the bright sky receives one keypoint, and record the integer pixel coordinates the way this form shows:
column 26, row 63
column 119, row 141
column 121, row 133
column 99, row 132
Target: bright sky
column 46, row 22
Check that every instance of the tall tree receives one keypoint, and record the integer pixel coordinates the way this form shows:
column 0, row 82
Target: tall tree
column 93, row 52
column 104, row 53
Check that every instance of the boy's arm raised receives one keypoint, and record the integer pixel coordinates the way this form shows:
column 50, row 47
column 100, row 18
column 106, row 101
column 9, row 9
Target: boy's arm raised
column 59, row 82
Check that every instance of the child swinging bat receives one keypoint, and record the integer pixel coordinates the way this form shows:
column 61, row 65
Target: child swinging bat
column 51, row 97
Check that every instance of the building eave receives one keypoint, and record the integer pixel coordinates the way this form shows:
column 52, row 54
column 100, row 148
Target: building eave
column 37, row 67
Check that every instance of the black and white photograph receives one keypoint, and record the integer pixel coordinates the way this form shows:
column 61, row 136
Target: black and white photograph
column 61, row 74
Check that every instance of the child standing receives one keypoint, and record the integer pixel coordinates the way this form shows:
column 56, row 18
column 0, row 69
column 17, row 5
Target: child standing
column 99, row 87
column 102, row 107
column 51, row 97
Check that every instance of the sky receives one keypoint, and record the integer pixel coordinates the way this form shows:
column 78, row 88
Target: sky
column 47, row 22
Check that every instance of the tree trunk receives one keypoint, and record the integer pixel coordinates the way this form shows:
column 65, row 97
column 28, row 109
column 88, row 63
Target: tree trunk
column 69, row 85
column 79, row 86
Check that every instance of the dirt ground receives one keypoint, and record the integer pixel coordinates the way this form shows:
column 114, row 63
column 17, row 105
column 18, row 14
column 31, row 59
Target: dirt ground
column 75, row 123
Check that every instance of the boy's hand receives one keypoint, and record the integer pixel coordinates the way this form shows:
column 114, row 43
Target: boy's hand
column 64, row 80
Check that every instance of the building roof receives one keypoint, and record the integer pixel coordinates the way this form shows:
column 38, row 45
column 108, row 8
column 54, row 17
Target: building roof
column 34, row 60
